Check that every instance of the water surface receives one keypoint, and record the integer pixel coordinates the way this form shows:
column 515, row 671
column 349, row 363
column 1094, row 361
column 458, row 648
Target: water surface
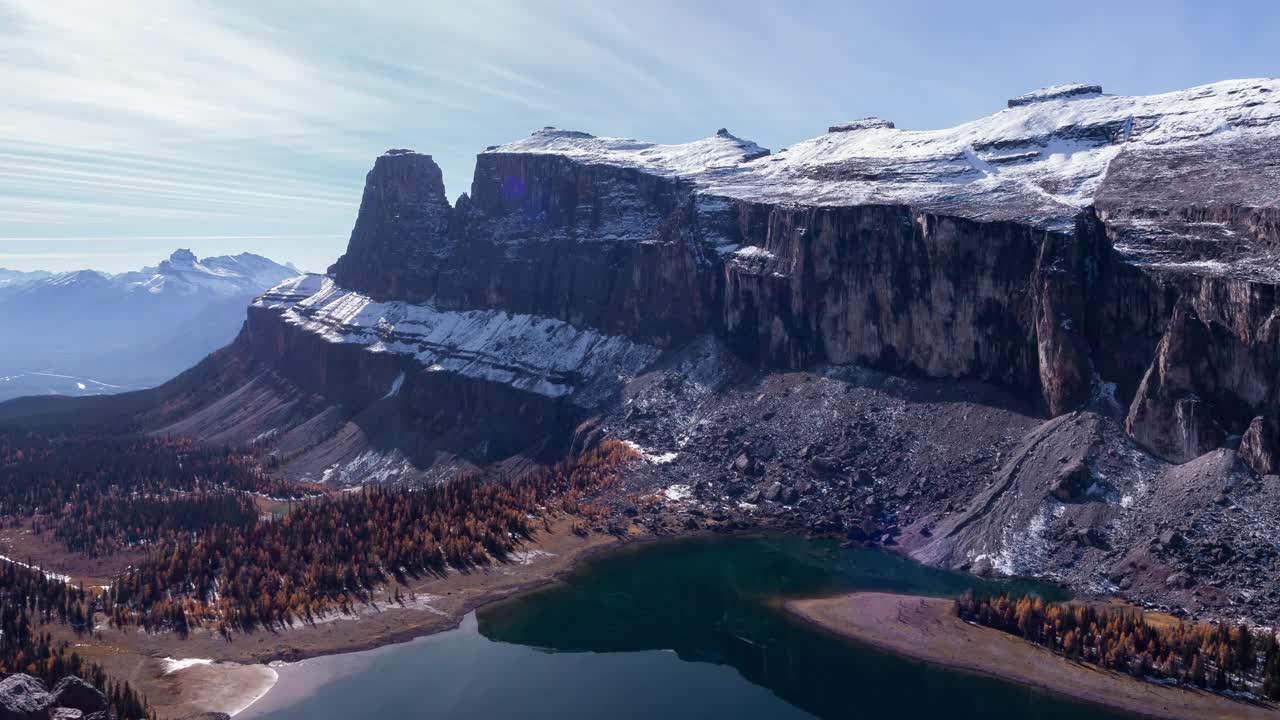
column 688, row 629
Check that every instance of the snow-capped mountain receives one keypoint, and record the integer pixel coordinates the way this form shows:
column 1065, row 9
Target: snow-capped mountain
column 185, row 274
column 13, row 278
column 87, row 332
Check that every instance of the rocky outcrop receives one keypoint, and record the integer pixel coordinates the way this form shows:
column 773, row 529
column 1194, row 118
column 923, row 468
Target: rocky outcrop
column 1170, row 413
column 23, row 697
column 1260, row 445
column 403, row 202
column 1214, row 368
column 73, row 692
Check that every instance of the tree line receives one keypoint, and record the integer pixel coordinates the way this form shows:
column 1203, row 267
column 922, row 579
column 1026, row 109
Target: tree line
column 99, row 493
column 114, row 522
column 1218, row 656
column 28, row 601
column 328, row 554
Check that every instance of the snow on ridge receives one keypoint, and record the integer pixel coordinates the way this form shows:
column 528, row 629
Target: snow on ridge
column 720, row 150
column 532, row 353
column 185, row 274
column 867, row 123
column 1039, row 161
column 1055, row 92
column 292, row 290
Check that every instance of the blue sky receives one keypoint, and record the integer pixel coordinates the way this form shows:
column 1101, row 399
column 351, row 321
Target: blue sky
column 128, row 129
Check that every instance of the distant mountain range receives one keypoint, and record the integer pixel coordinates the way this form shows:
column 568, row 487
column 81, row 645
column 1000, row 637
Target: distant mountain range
column 13, row 278
column 87, row 332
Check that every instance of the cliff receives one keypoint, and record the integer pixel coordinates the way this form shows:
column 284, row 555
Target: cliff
column 1073, row 248
column 1060, row 246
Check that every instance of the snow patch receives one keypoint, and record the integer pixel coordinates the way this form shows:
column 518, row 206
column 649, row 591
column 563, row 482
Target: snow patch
column 754, row 252
column 395, row 386
column 173, row 665
column 370, row 466
column 678, row 493
column 526, row 557
column 537, row 354
column 51, row 575
column 649, row 456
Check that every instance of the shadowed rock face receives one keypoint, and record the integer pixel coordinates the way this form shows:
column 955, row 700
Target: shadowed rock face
column 403, row 202
column 1214, row 367
column 647, row 257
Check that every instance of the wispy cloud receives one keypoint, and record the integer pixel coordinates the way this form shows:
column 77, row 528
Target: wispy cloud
column 131, row 123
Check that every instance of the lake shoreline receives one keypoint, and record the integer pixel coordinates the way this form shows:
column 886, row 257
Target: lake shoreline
column 926, row 629
column 136, row 656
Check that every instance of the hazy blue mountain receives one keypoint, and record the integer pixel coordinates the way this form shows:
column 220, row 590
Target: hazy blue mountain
column 87, row 332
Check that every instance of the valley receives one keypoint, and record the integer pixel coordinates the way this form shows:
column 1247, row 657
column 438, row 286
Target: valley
column 1029, row 347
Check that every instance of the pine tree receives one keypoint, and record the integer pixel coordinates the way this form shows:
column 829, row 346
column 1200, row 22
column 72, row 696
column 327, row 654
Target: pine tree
column 1198, row 677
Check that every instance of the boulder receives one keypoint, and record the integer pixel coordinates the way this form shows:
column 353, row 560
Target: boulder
column 23, row 697
column 773, row 492
column 745, row 464
column 74, row 692
column 864, row 529
column 824, row 464
column 1072, row 482
column 871, row 505
column 1260, row 445
column 1170, row 539
column 763, row 449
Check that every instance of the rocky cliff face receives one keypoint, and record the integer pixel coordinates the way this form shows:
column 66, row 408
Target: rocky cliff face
column 1061, row 248
column 638, row 255
column 877, row 332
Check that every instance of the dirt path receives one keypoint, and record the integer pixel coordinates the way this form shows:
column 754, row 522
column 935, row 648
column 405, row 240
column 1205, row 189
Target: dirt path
column 927, row 629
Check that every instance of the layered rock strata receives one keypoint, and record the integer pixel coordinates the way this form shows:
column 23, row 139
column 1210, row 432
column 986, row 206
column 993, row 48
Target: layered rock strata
column 1063, row 247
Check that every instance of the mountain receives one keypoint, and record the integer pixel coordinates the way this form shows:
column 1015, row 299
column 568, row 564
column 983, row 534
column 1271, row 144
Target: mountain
column 1045, row 342
column 13, row 278
column 87, row 332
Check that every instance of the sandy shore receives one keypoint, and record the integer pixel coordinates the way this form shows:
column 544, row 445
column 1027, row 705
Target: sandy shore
column 927, row 629
column 229, row 676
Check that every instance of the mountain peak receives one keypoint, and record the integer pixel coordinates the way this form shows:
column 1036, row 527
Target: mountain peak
column 182, row 256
